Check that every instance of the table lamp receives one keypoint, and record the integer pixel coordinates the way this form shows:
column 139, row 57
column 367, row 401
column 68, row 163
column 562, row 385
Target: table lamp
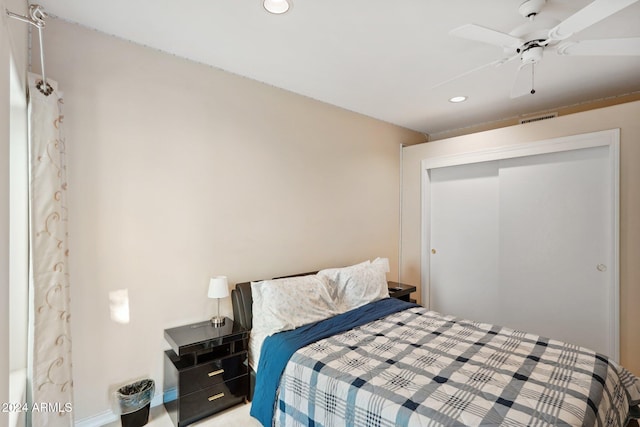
column 218, row 288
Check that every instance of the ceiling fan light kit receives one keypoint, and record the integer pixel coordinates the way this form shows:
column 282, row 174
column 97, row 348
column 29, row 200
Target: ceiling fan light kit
column 532, row 54
column 529, row 41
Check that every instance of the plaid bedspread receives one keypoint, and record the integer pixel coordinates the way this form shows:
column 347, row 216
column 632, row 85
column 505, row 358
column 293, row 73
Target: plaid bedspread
column 420, row 368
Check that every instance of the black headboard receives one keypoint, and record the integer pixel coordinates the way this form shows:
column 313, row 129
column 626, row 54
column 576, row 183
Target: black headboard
column 243, row 302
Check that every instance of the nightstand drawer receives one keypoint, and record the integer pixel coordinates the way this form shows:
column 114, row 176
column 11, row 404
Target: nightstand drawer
column 200, row 404
column 211, row 373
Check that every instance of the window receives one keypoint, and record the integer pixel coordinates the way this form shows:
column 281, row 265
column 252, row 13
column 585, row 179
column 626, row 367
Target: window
column 18, row 238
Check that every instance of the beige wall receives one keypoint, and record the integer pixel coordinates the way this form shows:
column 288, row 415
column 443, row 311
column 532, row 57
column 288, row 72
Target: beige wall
column 13, row 43
column 178, row 171
column 623, row 116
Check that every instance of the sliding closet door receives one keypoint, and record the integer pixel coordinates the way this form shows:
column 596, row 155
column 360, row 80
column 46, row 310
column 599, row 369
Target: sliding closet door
column 554, row 245
column 527, row 242
column 465, row 241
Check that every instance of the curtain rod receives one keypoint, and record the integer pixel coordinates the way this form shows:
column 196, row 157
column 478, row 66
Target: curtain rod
column 36, row 18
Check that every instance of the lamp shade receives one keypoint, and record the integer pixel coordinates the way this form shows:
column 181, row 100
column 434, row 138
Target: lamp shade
column 218, row 287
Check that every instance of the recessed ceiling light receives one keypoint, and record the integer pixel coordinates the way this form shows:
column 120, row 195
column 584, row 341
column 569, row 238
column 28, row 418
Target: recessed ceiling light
column 276, row 6
column 457, row 99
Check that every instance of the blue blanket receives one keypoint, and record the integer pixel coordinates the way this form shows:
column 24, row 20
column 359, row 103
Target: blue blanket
column 278, row 349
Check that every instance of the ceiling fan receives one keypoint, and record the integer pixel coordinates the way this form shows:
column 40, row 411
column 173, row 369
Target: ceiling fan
column 529, row 41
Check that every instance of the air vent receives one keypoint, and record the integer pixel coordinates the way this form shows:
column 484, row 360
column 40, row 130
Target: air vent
column 538, row 118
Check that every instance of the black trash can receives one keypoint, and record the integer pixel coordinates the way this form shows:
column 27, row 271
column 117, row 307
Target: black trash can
column 134, row 401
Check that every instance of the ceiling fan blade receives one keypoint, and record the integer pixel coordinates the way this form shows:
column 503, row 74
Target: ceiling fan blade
column 594, row 12
column 523, row 83
column 603, row 47
column 497, row 63
column 486, row 35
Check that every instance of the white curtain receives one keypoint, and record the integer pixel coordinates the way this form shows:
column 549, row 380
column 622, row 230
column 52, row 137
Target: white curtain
column 51, row 380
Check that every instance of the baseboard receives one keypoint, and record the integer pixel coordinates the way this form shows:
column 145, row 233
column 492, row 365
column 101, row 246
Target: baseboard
column 100, row 419
column 106, row 417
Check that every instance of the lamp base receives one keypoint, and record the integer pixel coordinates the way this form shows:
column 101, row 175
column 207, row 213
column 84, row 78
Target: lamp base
column 217, row 321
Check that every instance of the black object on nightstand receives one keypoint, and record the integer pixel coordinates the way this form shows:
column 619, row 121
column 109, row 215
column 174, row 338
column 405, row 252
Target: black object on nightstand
column 401, row 291
column 206, row 371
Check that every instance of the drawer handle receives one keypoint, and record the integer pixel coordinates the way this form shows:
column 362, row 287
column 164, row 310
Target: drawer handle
column 214, row 373
column 216, row 397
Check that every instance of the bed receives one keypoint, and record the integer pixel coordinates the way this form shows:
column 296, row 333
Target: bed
column 386, row 362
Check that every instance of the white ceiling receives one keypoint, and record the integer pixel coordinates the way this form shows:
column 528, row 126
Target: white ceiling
column 380, row 58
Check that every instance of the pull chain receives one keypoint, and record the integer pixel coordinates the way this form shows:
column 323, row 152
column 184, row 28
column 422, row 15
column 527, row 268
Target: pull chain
column 532, row 79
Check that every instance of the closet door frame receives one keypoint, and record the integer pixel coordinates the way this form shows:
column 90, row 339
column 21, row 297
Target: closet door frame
column 607, row 138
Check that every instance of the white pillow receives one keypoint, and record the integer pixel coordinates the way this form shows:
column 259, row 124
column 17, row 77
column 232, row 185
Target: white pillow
column 285, row 304
column 334, row 274
column 359, row 284
column 383, row 263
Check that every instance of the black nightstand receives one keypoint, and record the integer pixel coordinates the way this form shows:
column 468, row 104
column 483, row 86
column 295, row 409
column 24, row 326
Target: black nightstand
column 401, row 291
column 206, row 371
